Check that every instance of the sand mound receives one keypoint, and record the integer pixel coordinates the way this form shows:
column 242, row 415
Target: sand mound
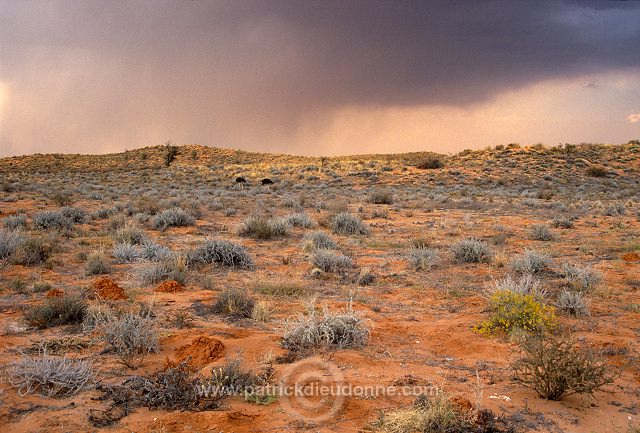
column 631, row 257
column 462, row 404
column 106, row 288
column 202, row 351
column 55, row 293
column 169, row 287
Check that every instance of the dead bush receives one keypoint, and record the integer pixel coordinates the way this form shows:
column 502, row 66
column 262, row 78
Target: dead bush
column 555, row 366
column 50, row 376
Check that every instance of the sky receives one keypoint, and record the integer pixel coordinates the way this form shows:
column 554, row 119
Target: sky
column 316, row 77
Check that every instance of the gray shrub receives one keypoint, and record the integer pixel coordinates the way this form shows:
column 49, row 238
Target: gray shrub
column 345, row 223
column 223, row 252
column 50, row 376
column 471, row 250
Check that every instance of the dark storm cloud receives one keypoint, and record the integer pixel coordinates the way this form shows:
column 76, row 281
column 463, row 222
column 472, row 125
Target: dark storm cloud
column 231, row 63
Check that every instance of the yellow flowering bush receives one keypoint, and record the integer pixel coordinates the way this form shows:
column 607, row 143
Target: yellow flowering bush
column 517, row 311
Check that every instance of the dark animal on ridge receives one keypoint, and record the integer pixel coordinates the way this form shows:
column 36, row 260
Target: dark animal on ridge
column 267, row 181
column 241, row 180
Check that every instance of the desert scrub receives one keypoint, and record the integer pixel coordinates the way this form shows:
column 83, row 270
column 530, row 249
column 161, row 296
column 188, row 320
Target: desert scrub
column 152, row 251
column 131, row 335
column 430, row 163
column 46, row 220
column 64, row 310
column 514, row 311
column 234, row 303
column 524, row 285
column 330, row 261
column 381, row 196
column 62, row 198
column 540, row 232
column 130, row 234
column 429, row 414
column 555, row 366
column 341, row 330
column 222, row 252
column 97, row 264
column 616, row 209
column 125, row 253
column 259, row 227
column 423, row 259
column 584, row 279
column 561, row 222
column 97, row 315
column 596, row 171
column 345, row 223
column 174, row 268
column 175, row 217
column 10, row 241
column 261, row 311
column 50, row 376
column 15, row 221
column 531, row 262
column 573, row 303
column 300, row 219
column 74, row 214
column 33, row 250
column 281, row 289
column 471, row 250
column 319, row 240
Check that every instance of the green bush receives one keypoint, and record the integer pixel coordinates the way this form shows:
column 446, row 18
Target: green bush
column 515, row 311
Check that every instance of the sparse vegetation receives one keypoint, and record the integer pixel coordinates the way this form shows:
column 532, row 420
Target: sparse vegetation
column 526, row 284
column 97, row 264
column 345, row 223
column 14, row 222
column 300, row 219
column 58, row 311
column 342, row 330
column 174, row 217
column 33, row 250
column 213, row 251
column 47, row 220
column 531, row 262
column 512, row 311
column 415, row 250
column 431, row 163
column 259, row 227
column 330, row 261
column 423, row 259
column 429, row 414
column 584, row 279
column 10, row 242
column 471, row 250
column 596, row 171
column 125, row 253
column 381, row 196
column 573, row 303
column 319, row 240
column 234, row 303
column 131, row 336
column 281, row 289
column 171, row 151
column 556, row 366
column 540, row 232
column 50, row 376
